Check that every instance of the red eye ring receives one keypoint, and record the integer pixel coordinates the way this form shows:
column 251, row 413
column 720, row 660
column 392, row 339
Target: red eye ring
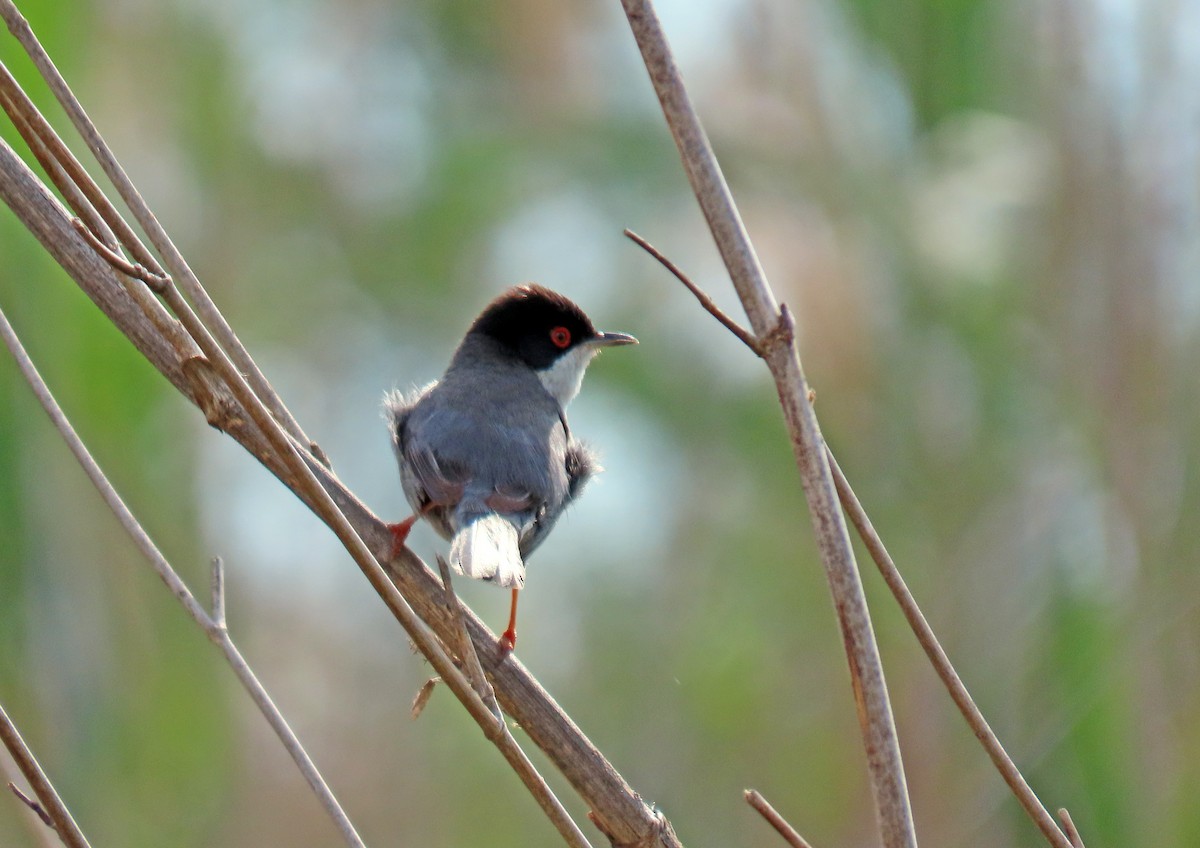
column 560, row 337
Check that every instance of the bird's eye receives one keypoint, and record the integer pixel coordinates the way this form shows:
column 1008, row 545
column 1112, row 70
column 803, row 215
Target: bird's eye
column 560, row 336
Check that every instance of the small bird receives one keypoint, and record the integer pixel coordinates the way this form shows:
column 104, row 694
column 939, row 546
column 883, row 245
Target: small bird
column 485, row 453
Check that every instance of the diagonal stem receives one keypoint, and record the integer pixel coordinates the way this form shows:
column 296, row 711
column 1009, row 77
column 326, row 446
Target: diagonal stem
column 876, row 723
column 941, row 662
column 213, row 626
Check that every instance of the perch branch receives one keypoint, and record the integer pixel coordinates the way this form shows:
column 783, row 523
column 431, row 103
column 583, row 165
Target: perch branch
column 49, row 801
column 628, row 820
column 755, row 799
column 213, row 626
column 876, row 723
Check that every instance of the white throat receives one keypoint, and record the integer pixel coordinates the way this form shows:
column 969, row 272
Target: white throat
column 563, row 379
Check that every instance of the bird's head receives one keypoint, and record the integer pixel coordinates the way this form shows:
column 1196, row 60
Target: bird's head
column 547, row 332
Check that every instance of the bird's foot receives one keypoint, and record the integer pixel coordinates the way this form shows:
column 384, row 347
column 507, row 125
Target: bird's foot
column 508, row 639
column 508, row 642
column 400, row 534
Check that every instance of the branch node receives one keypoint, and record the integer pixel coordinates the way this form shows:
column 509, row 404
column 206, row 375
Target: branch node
column 707, row 302
column 781, row 336
column 157, row 283
column 32, row 804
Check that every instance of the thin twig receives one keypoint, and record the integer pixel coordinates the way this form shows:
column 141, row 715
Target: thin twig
column 707, row 302
column 876, row 723
column 494, row 728
column 1069, row 826
column 466, row 649
column 51, row 804
column 32, row 804
column 755, row 799
column 156, row 282
column 513, row 752
column 213, row 626
column 45, row 836
column 941, row 662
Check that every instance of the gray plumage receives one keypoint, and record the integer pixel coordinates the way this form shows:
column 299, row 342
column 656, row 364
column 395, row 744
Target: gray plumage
column 485, row 453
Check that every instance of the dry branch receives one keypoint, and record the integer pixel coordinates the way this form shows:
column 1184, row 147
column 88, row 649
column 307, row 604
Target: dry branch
column 771, row 326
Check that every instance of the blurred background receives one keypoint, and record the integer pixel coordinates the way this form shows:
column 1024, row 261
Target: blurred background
column 984, row 215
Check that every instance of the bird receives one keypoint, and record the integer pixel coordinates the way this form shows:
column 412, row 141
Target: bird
column 485, row 453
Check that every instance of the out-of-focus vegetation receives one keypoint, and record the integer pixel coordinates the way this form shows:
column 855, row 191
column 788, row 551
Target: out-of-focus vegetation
column 984, row 215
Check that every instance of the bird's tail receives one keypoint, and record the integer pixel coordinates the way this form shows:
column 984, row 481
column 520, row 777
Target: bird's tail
column 486, row 548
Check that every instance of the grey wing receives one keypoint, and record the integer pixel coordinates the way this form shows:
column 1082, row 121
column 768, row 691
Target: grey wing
column 423, row 480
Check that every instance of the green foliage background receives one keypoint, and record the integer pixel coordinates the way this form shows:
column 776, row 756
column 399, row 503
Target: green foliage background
column 984, row 216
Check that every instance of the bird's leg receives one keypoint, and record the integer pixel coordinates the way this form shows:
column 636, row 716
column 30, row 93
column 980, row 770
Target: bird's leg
column 508, row 639
column 400, row 533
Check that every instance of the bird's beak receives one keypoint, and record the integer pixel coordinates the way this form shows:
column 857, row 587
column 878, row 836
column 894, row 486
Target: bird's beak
column 612, row 339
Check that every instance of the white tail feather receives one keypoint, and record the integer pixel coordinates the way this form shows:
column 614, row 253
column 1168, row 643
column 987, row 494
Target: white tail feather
column 486, row 549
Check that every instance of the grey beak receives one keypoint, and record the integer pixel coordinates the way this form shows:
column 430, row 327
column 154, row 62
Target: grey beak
column 612, row 340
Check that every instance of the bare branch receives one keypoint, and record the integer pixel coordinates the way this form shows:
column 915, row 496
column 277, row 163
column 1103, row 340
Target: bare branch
column 214, row 627
column 466, row 648
column 941, row 662
column 707, row 302
column 51, row 804
column 755, row 799
column 876, row 722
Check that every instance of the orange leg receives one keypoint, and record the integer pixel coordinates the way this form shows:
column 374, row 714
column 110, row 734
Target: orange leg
column 508, row 639
column 400, row 533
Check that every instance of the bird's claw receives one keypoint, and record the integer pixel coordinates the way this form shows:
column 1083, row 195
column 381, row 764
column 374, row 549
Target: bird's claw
column 400, row 533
